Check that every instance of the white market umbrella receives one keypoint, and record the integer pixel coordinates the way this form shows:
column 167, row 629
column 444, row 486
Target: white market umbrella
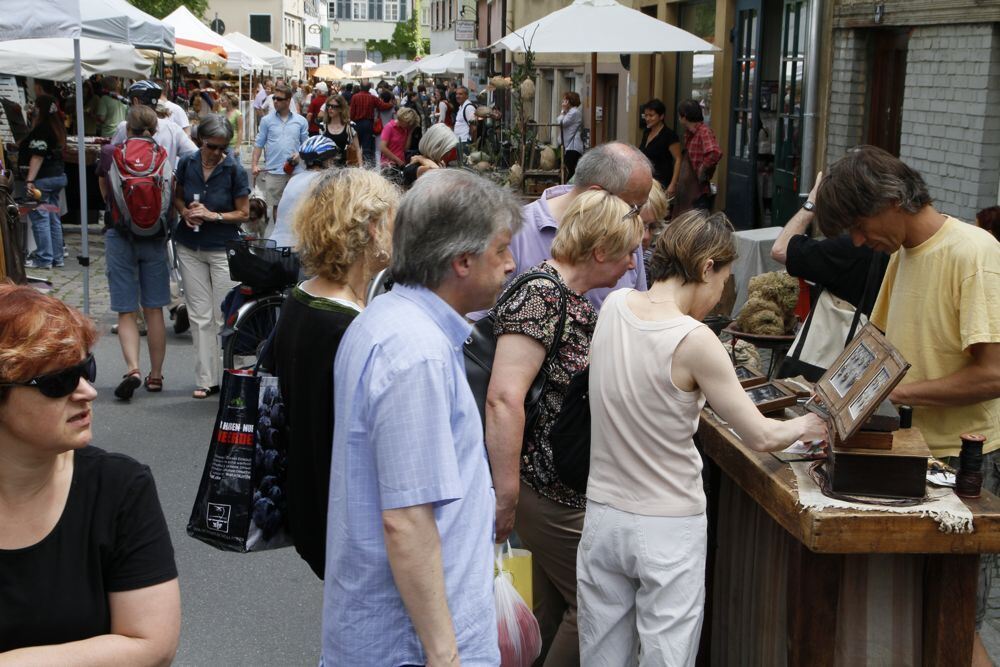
column 366, row 69
column 52, row 58
column 394, row 67
column 330, row 73
column 452, row 62
column 73, row 20
column 600, row 26
column 265, row 53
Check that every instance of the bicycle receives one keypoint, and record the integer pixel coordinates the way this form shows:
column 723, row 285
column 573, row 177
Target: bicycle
column 266, row 273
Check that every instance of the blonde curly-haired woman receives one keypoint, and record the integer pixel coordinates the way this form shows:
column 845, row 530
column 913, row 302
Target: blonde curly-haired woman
column 344, row 232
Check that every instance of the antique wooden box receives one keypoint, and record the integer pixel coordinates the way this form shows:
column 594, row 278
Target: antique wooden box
column 900, row 472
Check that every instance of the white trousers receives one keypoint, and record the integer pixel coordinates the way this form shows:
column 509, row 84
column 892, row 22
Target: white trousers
column 206, row 283
column 640, row 583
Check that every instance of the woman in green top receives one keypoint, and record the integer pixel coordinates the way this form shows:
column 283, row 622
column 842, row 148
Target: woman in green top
column 231, row 110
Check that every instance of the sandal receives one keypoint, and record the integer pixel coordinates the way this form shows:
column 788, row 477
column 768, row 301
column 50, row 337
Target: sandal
column 205, row 392
column 152, row 384
column 130, row 382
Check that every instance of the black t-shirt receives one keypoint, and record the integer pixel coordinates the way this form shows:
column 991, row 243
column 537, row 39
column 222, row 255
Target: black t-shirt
column 42, row 141
column 658, row 152
column 837, row 265
column 111, row 537
column 306, row 339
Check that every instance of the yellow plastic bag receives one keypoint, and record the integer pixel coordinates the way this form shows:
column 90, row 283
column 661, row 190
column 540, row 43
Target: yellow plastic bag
column 517, row 562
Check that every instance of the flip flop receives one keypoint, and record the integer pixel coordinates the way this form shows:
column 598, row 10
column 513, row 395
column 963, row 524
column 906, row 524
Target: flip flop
column 153, row 385
column 130, row 382
column 205, row 392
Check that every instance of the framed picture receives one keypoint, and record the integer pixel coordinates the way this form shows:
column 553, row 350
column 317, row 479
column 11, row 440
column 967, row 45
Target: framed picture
column 770, row 397
column 858, row 381
column 748, row 377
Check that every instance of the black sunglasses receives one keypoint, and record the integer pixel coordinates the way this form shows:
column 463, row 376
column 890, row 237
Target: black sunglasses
column 280, row 99
column 61, row 383
column 214, row 147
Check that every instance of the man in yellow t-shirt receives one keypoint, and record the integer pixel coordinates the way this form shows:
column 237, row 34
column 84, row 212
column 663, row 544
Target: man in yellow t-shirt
column 939, row 304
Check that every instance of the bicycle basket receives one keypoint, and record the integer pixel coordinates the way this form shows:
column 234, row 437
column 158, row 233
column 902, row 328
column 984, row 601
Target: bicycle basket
column 261, row 264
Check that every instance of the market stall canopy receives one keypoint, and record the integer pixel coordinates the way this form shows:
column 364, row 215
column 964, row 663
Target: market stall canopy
column 190, row 31
column 330, row 73
column 195, row 60
column 101, row 19
column 452, row 62
column 394, row 67
column 265, row 53
column 366, row 69
column 52, row 58
column 44, row 18
column 600, row 26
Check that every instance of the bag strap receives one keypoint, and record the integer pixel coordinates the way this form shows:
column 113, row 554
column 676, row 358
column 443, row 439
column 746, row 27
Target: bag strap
column 794, row 355
column 872, row 270
column 563, row 298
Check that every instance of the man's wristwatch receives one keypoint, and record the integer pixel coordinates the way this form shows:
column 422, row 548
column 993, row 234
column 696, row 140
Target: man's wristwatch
column 218, row 217
column 809, row 206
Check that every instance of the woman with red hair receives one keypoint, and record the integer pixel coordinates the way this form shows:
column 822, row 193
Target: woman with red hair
column 87, row 571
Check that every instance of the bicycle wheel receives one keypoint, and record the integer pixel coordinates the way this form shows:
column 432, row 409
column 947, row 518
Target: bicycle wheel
column 251, row 329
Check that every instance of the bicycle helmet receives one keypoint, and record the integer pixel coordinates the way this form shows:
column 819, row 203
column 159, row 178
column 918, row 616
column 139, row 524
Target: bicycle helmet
column 147, row 92
column 317, row 150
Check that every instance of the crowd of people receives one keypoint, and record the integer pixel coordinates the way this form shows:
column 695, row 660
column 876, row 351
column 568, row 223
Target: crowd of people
column 398, row 489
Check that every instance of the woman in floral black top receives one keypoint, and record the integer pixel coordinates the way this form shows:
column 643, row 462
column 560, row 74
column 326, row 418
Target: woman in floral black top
column 593, row 248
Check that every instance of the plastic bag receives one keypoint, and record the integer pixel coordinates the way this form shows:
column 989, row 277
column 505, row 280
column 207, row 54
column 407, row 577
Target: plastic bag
column 520, row 637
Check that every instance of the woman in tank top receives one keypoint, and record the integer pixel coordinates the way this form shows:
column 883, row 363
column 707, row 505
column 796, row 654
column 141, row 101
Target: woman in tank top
column 641, row 561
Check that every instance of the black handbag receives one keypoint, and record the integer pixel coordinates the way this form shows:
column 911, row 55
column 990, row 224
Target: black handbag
column 481, row 347
column 569, row 436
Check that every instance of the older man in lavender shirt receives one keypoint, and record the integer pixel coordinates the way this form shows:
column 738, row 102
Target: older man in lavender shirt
column 616, row 167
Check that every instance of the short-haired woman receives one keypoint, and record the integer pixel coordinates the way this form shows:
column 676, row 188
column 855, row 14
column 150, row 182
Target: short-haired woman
column 231, row 110
column 213, row 199
column 570, row 128
column 337, row 125
column 641, row 568
column 396, row 137
column 138, row 274
column 344, row 231
column 661, row 145
column 594, row 246
column 41, row 152
column 437, row 148
column 87, row 570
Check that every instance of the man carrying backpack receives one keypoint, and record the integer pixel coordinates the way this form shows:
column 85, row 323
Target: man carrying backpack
column 137, row 181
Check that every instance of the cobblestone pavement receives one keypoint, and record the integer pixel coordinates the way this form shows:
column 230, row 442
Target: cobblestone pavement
column 67, row 282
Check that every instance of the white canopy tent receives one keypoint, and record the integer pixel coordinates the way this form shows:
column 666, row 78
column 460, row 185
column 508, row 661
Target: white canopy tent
column 366, row 69
column 196, row 60
column 276, row 60
column 192, row 32
column 52, row 58
column 74, row 20
column 451, row 62
column 394, row 67
column 600, row 26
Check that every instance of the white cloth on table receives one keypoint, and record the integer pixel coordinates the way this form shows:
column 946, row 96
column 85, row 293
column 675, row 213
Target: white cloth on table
column 940, row 504
column 754, row 249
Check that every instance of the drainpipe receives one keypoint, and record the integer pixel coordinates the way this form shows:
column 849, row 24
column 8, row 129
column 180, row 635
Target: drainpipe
column 808, row 162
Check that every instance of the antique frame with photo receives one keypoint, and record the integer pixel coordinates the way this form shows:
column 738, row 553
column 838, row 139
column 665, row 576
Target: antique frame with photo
column 771, row 397
column 858, row 381
column 748, row 377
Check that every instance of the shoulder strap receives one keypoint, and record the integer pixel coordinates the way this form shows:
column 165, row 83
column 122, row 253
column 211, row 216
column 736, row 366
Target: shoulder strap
column 872, row 270
column 563, row 298
column 794, row 354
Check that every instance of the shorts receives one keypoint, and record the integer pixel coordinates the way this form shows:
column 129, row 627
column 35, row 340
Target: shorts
column 272, row 185
column 137, row 272
column 991, row 483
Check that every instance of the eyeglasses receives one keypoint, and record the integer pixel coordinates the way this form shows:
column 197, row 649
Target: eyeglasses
column 332, row 106
column 280, row 99
column 633, row 210
column 61, row 383
column 214, row 147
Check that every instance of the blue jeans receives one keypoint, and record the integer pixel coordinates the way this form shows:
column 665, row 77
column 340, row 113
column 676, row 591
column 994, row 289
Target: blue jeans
column 45, row 224
column 366, row 138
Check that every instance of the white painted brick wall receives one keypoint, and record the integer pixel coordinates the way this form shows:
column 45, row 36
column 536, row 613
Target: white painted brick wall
column 847, row 98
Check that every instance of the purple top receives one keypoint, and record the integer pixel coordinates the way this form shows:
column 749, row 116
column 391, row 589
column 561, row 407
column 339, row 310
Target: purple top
column 533, row 245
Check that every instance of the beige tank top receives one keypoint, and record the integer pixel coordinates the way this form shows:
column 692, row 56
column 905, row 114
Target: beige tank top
column 642, row 458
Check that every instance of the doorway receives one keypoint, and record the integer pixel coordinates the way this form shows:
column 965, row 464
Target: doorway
column 744, row 120
column 607, row 108
column 888, row 79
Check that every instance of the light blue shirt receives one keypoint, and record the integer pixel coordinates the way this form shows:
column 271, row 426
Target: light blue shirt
column 407, row 433
column 280, row 137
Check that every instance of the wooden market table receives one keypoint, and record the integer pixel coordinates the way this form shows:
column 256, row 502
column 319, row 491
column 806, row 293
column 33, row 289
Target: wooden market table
column 801, row 587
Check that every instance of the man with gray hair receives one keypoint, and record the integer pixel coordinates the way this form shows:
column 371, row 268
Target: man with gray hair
column 615, row 167
column 409, row 561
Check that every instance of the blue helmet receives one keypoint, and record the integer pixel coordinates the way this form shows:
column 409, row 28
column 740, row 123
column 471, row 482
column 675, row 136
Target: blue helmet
column 316, row 150
column 147, row 92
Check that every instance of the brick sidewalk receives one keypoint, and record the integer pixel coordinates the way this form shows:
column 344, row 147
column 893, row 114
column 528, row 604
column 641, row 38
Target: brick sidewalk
column 67, row 282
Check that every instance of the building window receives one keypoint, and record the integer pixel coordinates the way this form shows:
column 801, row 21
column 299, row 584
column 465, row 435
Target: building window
column 696, row 72
column 392, row 11
column 360, row 10
column 425, row 15
column 260, row 27
column 340, row 9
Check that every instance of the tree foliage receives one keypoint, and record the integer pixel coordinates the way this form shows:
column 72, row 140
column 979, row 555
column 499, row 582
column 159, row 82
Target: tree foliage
column 161, row 8
column 406, row 40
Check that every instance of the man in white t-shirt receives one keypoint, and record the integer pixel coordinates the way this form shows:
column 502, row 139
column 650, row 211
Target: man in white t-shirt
column 465, row 121
column 177, row 114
